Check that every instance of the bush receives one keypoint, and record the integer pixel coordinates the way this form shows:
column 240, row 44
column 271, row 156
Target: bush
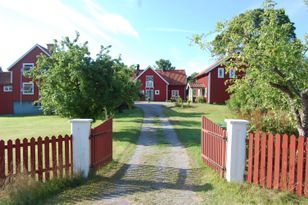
column 178, row 102
column 199, row 99
column 188, row 103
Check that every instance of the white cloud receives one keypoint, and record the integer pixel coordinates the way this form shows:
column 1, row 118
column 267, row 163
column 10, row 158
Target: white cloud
column 24, row 23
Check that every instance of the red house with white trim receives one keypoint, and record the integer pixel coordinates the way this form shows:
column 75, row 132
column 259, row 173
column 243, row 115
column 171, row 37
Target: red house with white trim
column 18, row 92
column 211, row 83
column 161, row 85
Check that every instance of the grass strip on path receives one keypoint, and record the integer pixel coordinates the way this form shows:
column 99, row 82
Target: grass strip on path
column 187, row 124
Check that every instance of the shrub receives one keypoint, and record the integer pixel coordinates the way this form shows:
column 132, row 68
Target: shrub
column 199, row 99
column 178, row 102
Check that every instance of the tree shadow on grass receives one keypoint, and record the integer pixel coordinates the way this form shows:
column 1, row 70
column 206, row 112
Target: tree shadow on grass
column 132, row 179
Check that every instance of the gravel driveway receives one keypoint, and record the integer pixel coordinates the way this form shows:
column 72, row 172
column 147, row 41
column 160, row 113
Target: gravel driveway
column 159, row 171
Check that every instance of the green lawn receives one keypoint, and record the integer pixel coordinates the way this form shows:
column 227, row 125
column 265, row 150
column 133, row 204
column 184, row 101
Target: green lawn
column 13, row 127
column 126, row 128
column 187, row 123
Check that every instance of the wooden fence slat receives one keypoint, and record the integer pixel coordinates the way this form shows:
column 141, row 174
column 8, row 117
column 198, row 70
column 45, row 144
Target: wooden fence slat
column 256, row 159
column 291, row 184
column 284, row 162
column 277, row 161
column 71, row 145
column 40, row 158
column 300, row 163
column 270, row 151
column 17, row 156
column 2, row 161
column 25, row 155
column 54, row 156
column 306, row 170
column 10, row 157
column 67, row 159
column 263, row 160
column 46, row 157
column 250, row 158
column 60, row 155
column 32, row 155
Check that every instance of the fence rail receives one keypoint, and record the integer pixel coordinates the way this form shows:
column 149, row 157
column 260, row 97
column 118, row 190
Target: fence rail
column 278, row 162
column 40, row 158
column 213, row 145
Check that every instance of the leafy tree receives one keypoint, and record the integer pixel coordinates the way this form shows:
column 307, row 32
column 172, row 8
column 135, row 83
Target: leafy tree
column 191, row 77
column 163, row 64
column 73, row 84
column 1, row 69
column 262, row 44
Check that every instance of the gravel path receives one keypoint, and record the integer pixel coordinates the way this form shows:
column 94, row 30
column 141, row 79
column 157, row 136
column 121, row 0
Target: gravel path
column 159, row 171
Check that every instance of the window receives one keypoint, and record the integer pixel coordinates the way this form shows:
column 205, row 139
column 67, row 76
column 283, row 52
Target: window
column 28, row 88
column 221, row 73
column 149, row 81
column 231, row 73
column 156, row 92
column 26, row 67
column 174, row 93
column 7, row 88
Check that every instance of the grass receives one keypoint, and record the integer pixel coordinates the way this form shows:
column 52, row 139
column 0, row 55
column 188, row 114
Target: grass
column 13, row 127
column 126, row 128
column 187, row 123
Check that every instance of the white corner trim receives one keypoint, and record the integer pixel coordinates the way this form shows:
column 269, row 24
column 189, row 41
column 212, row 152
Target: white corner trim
column 209, row 89
column 167, row 93
column 31, row 49
column 149, row 67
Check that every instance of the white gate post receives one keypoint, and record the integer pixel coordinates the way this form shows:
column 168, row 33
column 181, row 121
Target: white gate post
column 236, row 150
column 81, row 129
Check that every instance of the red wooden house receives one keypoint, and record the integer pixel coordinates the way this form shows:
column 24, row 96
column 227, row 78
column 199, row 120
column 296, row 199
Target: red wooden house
column 211, row 84
column 18, row 92
column 160, row 85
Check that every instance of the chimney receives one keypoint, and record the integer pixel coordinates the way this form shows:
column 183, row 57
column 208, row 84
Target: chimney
column 137, row 69
column 50, row 47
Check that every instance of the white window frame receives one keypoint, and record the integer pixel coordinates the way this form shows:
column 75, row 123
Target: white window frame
column 157, row 92
column 23, row 86
column 231, row 73
column 8, row 88
column 27, row 64
column 219, row 72
column 149, row 83
column 175, row 93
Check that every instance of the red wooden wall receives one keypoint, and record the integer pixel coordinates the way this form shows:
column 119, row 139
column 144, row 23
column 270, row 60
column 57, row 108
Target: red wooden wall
column 6, row 101
column 159, row 84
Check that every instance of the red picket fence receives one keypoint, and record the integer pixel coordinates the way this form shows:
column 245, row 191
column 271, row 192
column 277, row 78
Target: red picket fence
column 42, row 159
column 213, row 145
column 278, row 162
column 101, row 144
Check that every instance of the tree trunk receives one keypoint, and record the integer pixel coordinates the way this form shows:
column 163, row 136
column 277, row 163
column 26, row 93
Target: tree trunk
column 304, row 98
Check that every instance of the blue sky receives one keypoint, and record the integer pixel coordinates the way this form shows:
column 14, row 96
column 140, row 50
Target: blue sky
column 142, row 31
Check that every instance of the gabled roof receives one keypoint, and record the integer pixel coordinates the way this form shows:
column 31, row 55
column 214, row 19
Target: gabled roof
column 211, row 67
column 44, row 50
column 5, row 78
column 174, row 77
column 149, row 67
column 171, row 77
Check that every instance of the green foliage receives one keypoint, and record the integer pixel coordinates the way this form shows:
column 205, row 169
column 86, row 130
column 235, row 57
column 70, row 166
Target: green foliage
column 25, row 190
column 191, row 77
column 73, row 84
column 178, row 102
column 163, row 64
column 199, row 99
column 1, row 69
column 262, row 44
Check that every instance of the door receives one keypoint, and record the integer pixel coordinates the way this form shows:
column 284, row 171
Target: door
column 149, row 94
